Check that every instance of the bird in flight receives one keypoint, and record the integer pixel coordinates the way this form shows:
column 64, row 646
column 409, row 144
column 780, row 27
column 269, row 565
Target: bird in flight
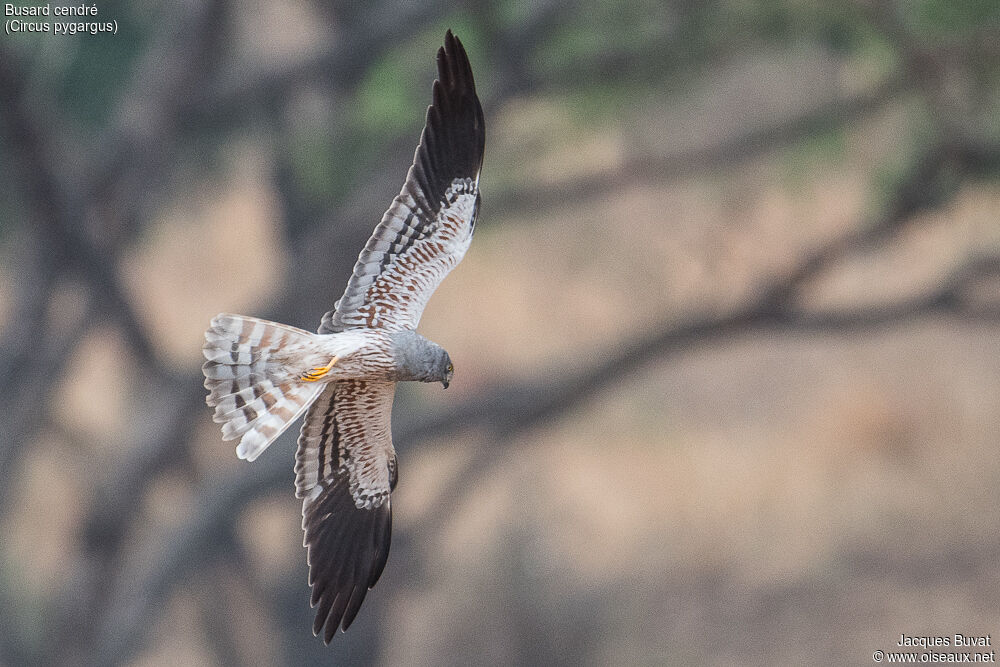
column 262, row 375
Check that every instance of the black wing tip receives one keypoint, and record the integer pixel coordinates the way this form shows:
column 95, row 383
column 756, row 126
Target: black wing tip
column 454, row 137
column 347, row 552
column 458, row 84
column 453, row 63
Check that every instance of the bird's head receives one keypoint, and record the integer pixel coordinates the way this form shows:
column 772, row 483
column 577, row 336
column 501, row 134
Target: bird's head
column 448, row 371
column 420, row 359
column 441, row 369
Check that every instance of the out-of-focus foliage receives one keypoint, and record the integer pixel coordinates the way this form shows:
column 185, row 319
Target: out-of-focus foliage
column 726, row 339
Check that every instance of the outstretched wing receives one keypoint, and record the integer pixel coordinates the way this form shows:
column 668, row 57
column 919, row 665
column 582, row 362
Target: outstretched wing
column 345, row 470
column 429, row 226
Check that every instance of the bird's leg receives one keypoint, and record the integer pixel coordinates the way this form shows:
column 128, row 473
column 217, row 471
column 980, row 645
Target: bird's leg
column 319, row 371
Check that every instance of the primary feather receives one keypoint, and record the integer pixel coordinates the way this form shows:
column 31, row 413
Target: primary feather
column 429, row 225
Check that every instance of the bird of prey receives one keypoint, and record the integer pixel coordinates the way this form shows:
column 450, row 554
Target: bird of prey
column 262, row 375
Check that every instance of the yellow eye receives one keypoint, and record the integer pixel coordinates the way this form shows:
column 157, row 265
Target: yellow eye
column 451, row 369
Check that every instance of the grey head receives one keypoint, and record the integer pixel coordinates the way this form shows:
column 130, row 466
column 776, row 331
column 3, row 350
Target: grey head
column 419, row 359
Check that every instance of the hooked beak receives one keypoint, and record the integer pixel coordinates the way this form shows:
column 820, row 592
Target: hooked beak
column 444, row 383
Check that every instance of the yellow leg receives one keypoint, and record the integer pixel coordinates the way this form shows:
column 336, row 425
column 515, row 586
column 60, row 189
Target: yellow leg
column 319, row 371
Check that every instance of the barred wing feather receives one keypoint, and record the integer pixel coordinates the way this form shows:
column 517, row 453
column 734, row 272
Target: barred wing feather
column 345, row 470
column 429, row 225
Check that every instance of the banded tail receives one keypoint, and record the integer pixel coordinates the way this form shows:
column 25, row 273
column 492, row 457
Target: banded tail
column 253, row 381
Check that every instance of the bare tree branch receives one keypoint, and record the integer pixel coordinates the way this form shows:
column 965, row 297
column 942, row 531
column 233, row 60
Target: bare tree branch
column 503, row 413
column 61, row 212
column 117, row 594
column 641, row 169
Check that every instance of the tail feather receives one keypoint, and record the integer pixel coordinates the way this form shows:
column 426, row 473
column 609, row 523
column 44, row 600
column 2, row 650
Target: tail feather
column 256, row 396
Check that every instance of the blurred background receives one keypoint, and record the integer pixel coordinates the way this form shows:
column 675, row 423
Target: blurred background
column 728, row 365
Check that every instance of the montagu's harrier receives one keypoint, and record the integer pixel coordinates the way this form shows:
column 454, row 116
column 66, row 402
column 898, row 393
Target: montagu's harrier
column 262, row 375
